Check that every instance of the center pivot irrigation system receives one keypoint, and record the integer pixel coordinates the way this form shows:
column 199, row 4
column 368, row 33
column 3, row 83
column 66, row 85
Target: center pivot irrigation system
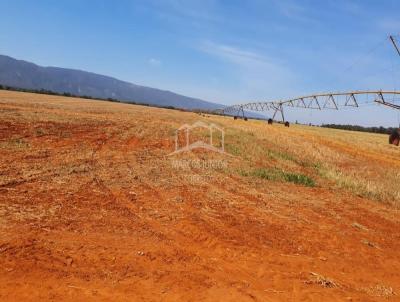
column 321, row 101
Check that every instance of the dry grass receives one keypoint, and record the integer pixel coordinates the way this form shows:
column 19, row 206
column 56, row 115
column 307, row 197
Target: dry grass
column 380, row 290
column 321, row 280
column 361, row 163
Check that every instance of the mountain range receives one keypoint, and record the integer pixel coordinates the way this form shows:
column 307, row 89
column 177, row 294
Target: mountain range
column 27, row 75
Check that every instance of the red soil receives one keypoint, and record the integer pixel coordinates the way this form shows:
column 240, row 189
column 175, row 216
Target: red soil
column 91, row 210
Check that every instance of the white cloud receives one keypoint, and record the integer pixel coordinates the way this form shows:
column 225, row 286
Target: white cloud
column 295, row 11
column 351, row 7
column 155, row 62
column 259, row 76
column 230, row 53
column 392, row 26
column 199, row 13
column 202, row 9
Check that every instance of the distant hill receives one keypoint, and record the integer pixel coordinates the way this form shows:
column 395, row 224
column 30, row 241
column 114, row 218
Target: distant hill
column 23, row 74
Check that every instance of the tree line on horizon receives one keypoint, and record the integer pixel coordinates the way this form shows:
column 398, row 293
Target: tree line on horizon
column 67, row 94
column 381, row 129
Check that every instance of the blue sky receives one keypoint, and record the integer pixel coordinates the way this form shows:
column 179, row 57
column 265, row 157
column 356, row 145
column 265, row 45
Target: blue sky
column 222, row 51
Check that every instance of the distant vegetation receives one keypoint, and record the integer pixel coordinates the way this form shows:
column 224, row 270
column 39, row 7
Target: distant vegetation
column 49, row 92
column 67, row 94
column 381, row 129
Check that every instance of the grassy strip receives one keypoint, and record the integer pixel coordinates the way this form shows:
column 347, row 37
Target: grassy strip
column 280, row 175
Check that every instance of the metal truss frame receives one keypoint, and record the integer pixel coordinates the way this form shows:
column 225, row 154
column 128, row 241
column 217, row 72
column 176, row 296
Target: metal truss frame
column 331, row 101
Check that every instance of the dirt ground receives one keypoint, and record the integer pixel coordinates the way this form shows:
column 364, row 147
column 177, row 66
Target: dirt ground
column 92, row 208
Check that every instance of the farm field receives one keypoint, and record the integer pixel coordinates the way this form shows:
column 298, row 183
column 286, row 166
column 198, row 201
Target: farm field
column 94, row 208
